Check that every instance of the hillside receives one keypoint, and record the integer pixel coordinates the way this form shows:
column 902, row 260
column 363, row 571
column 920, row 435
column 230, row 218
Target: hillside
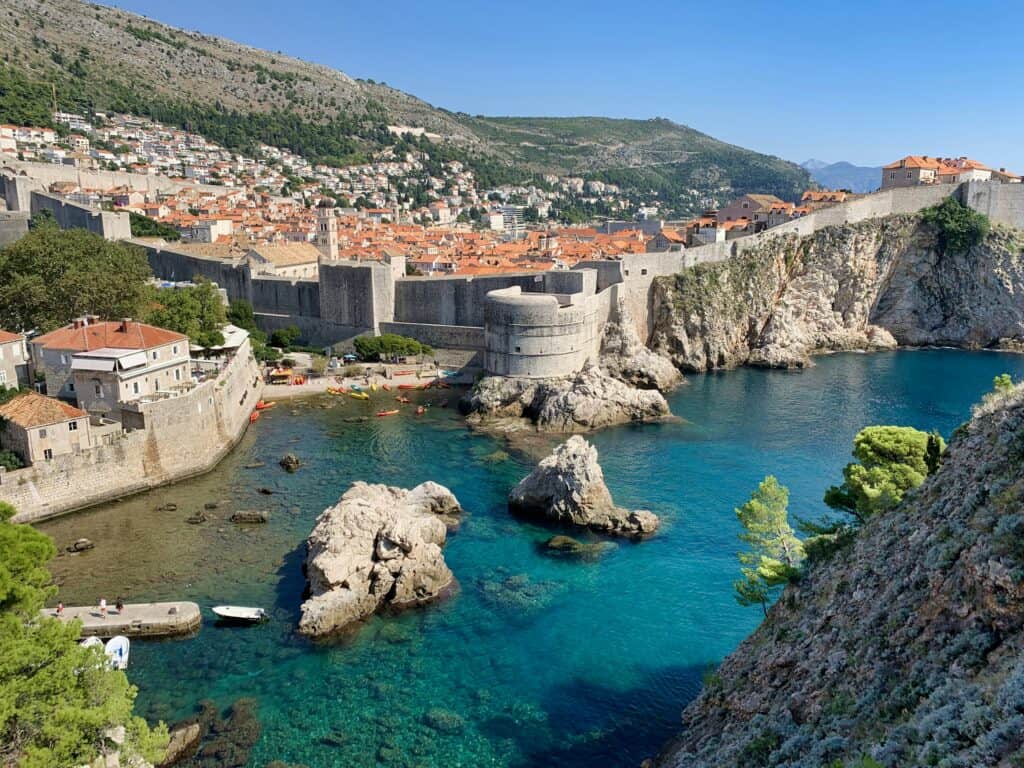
column 102, row 58
column 905, row 647
column 844, row 175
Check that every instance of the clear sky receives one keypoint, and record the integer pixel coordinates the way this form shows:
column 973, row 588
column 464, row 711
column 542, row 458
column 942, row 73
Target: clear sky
column 858, row 80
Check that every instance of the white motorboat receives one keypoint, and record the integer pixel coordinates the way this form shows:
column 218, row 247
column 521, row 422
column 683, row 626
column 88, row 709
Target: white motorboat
column 240, row 613
column 91, row 642
column 117, row 651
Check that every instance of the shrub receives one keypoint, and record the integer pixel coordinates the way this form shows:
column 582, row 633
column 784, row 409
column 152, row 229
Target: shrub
column 10, row 461
column 388, row 345
column 959, row 227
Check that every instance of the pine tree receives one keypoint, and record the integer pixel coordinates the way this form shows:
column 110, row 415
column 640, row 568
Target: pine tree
column 775, row 552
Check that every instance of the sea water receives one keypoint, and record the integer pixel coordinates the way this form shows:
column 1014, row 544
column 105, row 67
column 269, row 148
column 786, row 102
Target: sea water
column 537, row 660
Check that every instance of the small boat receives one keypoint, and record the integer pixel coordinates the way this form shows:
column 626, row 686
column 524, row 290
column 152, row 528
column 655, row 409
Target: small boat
column 408, row 386
column 403, row 373
column 359, row 395
column 386, row 387
column 392, row 412
column 117, row 651
column 373, row 387
column 403, row 399
column 91, row 642
column 254, row 417
column 336, row 391
column 263, row 405
column 240, row 613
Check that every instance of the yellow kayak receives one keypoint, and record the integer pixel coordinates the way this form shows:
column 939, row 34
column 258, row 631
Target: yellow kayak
column 359, row 395
column 373, row 386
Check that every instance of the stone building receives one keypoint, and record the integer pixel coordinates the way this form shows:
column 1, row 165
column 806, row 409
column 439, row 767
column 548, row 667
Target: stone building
column 40, row 428
column 13, row 361
column 100, row 363
column 290, row 260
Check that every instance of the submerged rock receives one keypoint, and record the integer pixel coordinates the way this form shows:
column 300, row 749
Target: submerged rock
column 250, row 516
column 183, row 744
column 378, row 547
column 290, row 462
column 196, row 518
column 81, row 545
column 590, row 400
column 568, row 487
column 567, row 546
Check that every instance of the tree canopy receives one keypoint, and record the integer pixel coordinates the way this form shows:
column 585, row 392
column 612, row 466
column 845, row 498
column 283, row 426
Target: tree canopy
column 143, row 226
column 51, row 276
column 57, row 699
column 775, row 552
column 890, row 462
column 196, row 311
column 388, row 345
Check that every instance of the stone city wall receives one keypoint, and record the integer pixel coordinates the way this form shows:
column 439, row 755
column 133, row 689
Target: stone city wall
column 440, row 336
column 538, row 335
column 49, row 173
column 182, row 436
column 1002, row 203
column 13, row 226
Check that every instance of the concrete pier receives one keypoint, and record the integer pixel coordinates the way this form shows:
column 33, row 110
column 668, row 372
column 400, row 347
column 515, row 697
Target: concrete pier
column 135, row 619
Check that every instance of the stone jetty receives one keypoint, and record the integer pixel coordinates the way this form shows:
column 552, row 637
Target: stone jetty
column 135, row 619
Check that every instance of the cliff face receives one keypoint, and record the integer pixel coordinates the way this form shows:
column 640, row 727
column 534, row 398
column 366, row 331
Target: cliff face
column 907, row 646
column 868, row 285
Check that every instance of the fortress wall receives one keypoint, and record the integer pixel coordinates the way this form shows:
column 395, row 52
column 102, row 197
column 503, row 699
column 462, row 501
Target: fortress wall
column 112, row 226
column 48, row 173
column 439, row 336
column 13, row 226
column 532, row 336
column 1002, row 203
column 609, row 272
column 285, row 295
column 350, row 293
column 169, row 264
column 183, row 436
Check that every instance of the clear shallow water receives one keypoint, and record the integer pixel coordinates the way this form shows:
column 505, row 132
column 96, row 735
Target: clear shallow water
column 546, row 661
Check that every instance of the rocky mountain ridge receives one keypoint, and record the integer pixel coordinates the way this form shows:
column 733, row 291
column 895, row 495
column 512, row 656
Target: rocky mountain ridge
column 905, row 647
column 869, row 285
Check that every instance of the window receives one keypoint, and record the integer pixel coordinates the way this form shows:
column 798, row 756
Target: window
column 73, row 426
column 177, row 374
column 135, row 387
column 174, row 349
column 643, row 271
column 3, row 376
column 156, row 355
column 98, row 389
column 892, row 175
column 47, row 454
column 63, row 359
column 518, row 349
column 71, row 386
column 42, row 434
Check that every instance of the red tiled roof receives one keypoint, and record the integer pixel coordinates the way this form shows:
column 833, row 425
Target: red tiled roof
column 109, row 334
column 7, row 337
column 34, row 410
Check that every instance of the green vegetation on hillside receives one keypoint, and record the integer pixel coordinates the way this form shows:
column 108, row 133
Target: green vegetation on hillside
column 959, row 228
column 57, row 699
column 51, row 276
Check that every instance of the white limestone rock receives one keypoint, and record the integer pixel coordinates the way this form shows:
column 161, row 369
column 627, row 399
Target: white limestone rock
column 568, row 487
column 378, row 547
column 624, row 356
column 590, row 400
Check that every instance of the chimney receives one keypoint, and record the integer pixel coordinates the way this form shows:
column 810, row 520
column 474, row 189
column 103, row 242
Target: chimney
column 91, row 319
column 125, row 322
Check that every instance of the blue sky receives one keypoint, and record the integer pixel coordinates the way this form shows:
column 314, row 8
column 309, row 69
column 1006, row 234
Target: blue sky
column 860, row 80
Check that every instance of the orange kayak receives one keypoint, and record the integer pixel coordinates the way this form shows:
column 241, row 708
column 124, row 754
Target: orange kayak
column 254, row 416
column 263, row 405
column 388, row 413
column 386, row 387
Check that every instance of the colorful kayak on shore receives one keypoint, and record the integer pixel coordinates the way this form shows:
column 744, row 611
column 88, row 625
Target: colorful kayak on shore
column 391, row 412
column 359, row 395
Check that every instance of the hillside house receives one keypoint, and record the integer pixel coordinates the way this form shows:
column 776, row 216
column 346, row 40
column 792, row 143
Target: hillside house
column 99, row 364
column 915, row 170
column 13, row 360
column 753, row 207
column 40, row 428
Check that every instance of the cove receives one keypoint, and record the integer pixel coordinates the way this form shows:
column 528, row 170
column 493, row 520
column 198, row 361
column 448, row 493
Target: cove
column 536, row 661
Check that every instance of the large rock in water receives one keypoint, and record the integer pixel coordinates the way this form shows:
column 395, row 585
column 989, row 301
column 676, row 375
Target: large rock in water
column 378, row 547
column 905, row 646
column 590, row 400
column 568, row 487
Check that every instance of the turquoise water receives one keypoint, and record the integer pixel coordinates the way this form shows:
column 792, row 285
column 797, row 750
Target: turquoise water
column 536, row 661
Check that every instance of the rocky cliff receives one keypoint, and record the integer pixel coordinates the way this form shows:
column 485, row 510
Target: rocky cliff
column 906, row 647
column 869, row 285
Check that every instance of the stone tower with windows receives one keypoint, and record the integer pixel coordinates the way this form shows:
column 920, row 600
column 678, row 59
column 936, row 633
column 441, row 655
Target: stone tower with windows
column 326, row 234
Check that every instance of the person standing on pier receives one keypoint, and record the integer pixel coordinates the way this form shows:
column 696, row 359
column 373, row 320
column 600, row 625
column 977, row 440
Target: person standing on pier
column 103, row 607
column 119, row 605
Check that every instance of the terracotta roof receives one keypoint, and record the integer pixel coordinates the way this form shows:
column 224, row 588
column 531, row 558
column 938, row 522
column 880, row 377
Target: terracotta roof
column 914, row 161
column 6, row 337
column 110, row 334
column 34, row 410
